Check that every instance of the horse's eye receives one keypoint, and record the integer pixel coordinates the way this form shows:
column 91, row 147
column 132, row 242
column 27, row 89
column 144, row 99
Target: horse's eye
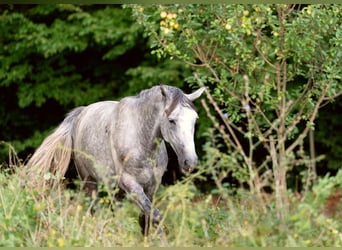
column 172, row 121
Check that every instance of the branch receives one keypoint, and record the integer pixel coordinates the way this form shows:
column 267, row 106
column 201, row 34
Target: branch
column 328, row 98
column 312, row 118
column 225, row 121
column 226, row 138
column 308, row 87
column 254, row 175
column 264, row 57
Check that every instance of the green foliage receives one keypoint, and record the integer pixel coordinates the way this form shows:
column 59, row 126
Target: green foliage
column 220, row 165
column 15, row 224
column 38, row 57
column 146, row 75
column 268, row 69
column 56, row 57
column 228, row 37
column 61, row 217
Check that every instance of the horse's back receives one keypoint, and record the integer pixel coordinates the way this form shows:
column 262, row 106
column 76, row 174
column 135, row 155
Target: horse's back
column 92, row 147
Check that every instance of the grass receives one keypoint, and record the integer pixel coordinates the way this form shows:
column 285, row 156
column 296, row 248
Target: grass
column 61, row 217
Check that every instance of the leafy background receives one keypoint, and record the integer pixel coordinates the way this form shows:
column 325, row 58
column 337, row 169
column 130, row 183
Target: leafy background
column 56, row 57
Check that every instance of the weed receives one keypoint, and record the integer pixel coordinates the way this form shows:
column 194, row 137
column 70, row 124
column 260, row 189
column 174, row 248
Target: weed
column 61, row 217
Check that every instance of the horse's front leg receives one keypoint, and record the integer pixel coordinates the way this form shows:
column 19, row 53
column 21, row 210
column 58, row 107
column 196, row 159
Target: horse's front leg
column 145, row 219
column 136, row 191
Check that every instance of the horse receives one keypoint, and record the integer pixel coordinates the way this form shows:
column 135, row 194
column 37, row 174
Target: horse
column 122, row 144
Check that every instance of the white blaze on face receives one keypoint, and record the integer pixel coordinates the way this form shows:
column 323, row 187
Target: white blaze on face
column 181, row 135
column 178, row 127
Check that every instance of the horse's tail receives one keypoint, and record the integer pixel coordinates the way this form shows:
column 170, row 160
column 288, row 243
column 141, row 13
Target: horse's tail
column 50, row 161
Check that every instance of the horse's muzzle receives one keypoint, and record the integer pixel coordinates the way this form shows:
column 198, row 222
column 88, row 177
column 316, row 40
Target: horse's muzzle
column 187, row 170
column 188, row 166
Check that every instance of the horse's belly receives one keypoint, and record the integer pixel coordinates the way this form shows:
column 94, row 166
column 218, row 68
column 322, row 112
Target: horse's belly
column 92, row 146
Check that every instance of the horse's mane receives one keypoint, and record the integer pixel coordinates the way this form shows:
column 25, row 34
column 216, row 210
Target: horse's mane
column 176, row 94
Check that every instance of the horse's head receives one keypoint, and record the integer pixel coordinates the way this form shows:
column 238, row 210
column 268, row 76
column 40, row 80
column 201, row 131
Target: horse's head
column 178, row 124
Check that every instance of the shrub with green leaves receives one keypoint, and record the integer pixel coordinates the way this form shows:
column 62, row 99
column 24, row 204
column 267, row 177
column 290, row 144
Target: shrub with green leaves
column 268, row 70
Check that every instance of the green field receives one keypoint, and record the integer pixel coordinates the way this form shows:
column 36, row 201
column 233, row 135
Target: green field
column 61, row 217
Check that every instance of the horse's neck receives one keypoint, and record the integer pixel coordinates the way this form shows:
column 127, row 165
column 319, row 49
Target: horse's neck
column 150, row 115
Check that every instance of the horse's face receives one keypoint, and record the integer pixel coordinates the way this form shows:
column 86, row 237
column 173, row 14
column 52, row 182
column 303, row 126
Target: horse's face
column 178, row 129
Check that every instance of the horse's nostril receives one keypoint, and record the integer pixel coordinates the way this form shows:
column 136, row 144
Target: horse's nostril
column 186, row 163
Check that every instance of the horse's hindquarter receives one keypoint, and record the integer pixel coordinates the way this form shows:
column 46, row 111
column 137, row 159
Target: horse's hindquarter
column 92, row 147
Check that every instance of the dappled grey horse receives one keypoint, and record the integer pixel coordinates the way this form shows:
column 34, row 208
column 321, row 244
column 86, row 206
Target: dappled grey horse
column 122, row 143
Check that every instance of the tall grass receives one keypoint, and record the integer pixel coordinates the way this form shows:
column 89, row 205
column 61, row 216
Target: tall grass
column 61, row 217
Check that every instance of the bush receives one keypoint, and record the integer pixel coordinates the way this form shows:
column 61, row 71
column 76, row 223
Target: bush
column 268, row 69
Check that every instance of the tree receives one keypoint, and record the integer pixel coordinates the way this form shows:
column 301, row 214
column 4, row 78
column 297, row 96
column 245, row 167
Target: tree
column 268, row 70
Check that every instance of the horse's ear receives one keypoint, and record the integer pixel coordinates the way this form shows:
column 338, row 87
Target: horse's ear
column 163, row 91
column 193, row 96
